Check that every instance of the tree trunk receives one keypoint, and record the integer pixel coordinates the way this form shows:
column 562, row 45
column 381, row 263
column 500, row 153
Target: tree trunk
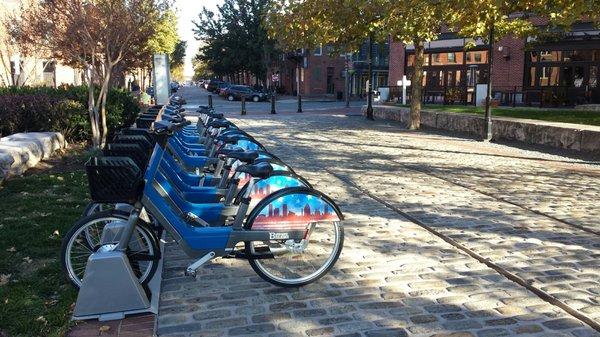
column 102, row 103
column 417, row 86
column 91, row 107
column 104, row 123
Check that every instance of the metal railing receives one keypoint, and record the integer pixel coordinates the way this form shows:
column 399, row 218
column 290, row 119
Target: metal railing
column 556, row 96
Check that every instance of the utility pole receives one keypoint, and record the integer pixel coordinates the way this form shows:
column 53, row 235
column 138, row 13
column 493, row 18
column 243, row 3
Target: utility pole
column 370, row 84
column 488, row 99
column 300, row 59
column 346, row 81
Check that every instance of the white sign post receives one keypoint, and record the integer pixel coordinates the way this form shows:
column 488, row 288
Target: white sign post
column 404, row 82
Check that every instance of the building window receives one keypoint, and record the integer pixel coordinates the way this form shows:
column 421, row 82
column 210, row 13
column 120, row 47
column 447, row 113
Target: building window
column 533, row 56
column 440, row 59
column 476, row 57
column 319, row 51
column 410, row 61
column 532, row 76
column 550, row 56
column 316, row 74
column 593, row 76
column 579, row 55
column 549, row 76
column 577, row 77
column 451, row 57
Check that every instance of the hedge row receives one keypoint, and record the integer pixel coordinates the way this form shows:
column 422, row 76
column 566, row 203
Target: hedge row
column 62, row 109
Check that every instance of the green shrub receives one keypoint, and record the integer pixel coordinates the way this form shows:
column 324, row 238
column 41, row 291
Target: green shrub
column 62, row 109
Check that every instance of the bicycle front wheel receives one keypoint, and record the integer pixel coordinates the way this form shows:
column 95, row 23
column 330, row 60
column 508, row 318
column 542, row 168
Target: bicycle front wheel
column 84, row 239
column 299, row 262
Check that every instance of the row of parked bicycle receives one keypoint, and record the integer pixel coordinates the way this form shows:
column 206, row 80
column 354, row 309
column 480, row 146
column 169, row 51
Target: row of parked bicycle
column 214, row 189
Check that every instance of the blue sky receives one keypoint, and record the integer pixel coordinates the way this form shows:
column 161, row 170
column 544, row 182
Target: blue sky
column 188, row 10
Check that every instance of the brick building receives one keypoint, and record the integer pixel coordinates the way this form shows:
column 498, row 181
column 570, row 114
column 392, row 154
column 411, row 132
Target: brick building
column 322, row 75
column 562, row 70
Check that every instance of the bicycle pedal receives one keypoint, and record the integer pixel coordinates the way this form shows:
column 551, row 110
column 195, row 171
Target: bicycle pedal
column 193, row 268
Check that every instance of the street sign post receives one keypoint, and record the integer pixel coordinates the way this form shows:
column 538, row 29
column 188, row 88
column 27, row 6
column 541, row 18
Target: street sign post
column 404, row 82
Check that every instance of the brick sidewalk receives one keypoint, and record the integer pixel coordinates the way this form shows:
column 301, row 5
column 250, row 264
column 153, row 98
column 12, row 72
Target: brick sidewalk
column 133, row 326
column 422, row 208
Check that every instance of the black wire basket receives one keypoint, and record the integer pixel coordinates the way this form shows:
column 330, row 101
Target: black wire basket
column 142, row 141
column 133, row 151
column 114, row 180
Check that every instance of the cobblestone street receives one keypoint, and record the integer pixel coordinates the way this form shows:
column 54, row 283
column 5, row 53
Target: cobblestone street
column 445, row 236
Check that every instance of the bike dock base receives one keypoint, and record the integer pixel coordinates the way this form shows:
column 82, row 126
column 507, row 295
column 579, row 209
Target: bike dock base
column 110, row 289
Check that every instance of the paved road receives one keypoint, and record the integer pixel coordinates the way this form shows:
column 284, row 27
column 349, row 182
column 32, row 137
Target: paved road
column 444, row 237
column 286, row 104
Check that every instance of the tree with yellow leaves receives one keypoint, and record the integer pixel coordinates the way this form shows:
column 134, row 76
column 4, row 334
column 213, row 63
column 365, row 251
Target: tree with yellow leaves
column 346, row 24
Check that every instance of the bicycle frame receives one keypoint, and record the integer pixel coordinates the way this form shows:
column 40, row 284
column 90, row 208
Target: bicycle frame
column 199, row 241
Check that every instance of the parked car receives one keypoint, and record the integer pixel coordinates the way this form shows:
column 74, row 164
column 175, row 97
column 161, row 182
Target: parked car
column 174, row 86
column 236, row 92
column 213, row 85
column 221, row 87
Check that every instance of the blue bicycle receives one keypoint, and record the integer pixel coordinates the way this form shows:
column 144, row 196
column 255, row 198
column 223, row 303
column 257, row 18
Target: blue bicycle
column 217, row 192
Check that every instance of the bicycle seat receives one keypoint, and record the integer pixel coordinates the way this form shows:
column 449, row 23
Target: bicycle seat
column 244, row 156
column 229, row 139
column 173, row 118
column 219, row 124
column 228, row 150
column 260, row 170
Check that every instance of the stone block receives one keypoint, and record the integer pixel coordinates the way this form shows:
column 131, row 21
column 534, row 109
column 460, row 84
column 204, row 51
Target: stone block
column 585, row 138
column 26, row 154
column 26, row 150
column 48, row 142
column 590, row 141
column 428, row 119
column 6, row 161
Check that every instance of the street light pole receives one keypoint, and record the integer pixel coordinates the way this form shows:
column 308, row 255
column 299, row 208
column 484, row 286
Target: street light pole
column 488, row 99
column 370, row 85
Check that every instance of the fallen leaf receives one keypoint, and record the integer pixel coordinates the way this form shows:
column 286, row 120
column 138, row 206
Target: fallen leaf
column 56, row 232
column 50, row 303
column 42, row 319
column 27, row 259
column 11, row 249
column 4, row 278
column 104, row 328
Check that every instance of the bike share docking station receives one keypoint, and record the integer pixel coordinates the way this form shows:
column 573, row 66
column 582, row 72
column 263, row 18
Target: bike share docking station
column 110, row 288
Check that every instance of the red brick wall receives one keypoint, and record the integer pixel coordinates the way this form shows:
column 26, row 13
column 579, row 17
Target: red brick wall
column 315, row 75
column 396, row 70
column 509, row 71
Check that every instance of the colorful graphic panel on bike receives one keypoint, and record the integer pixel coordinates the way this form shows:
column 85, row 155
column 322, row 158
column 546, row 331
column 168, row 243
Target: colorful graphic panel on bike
column 265, row 187
column 245, row 177
column 247, row 145
column 294, row 212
